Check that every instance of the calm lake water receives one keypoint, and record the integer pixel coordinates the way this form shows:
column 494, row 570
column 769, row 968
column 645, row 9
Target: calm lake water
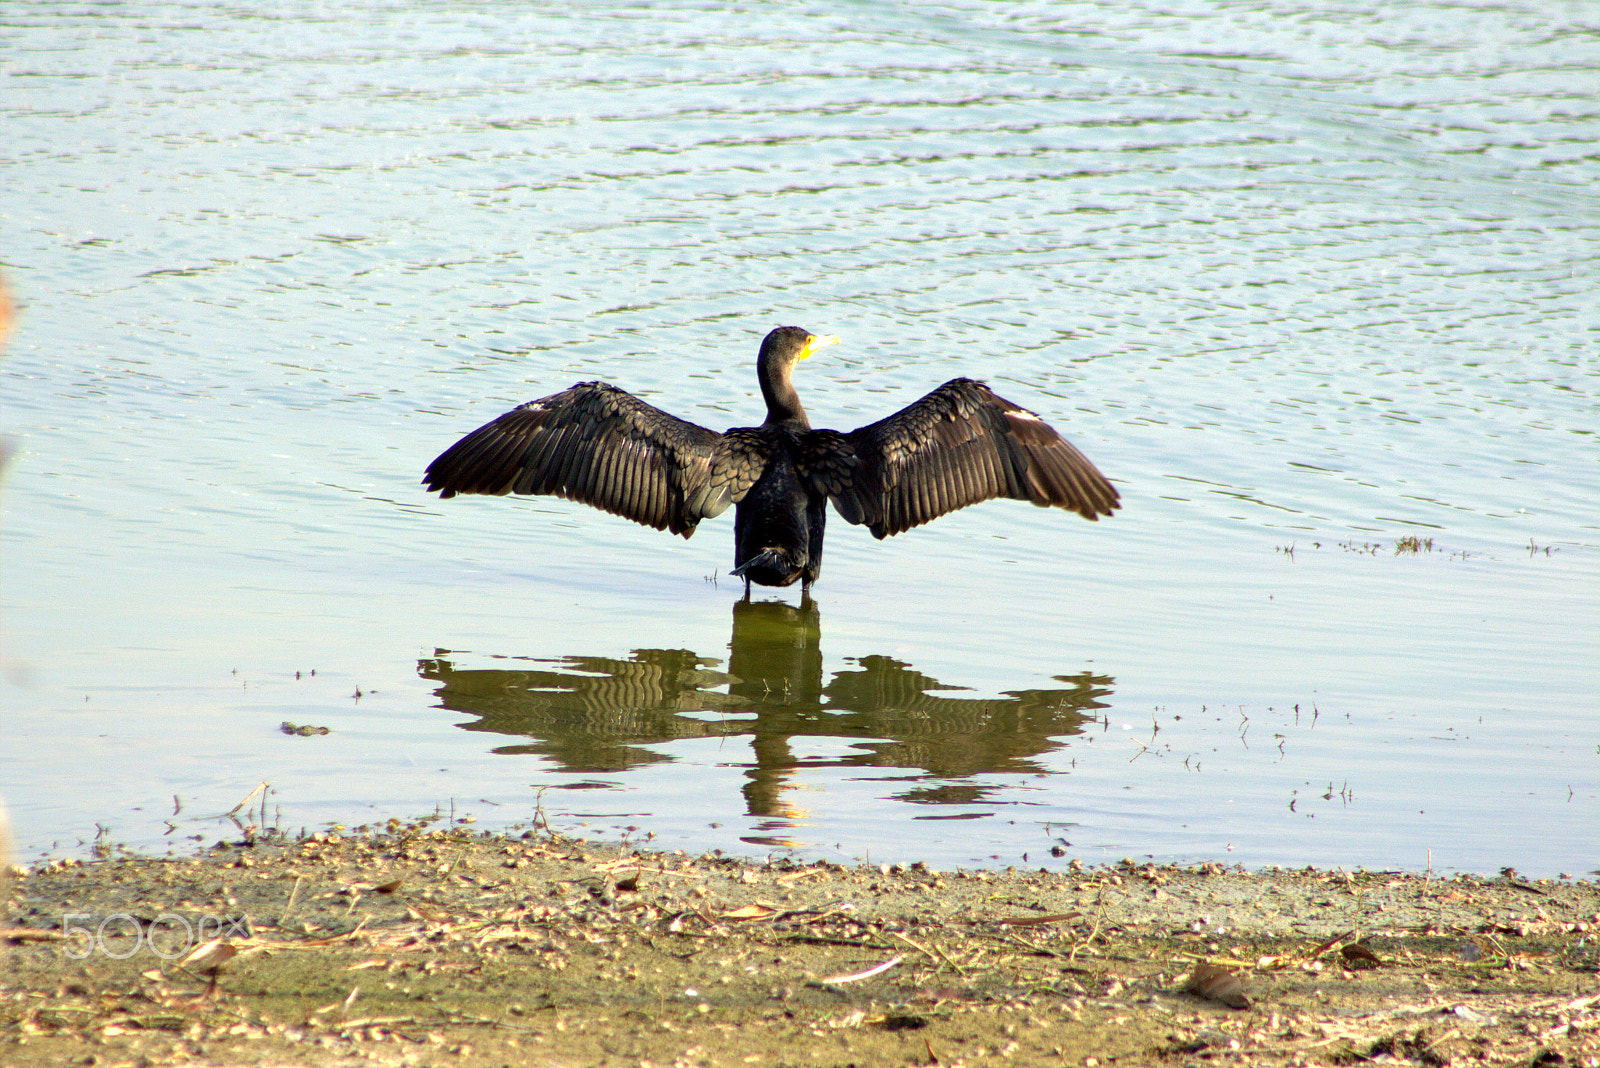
column 1304, row 281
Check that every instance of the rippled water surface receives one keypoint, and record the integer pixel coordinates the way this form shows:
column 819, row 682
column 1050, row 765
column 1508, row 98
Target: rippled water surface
column 1304, row 280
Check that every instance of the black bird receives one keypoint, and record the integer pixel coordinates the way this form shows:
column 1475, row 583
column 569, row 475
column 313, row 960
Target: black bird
column 601, row 445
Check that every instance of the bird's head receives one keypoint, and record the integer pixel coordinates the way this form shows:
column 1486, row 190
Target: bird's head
column 788, row 345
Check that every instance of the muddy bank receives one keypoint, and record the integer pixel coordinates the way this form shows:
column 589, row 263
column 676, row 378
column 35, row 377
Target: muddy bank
column 419, row 945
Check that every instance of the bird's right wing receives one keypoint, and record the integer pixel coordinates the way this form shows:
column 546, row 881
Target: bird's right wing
column 605, row 447
column 958, row 445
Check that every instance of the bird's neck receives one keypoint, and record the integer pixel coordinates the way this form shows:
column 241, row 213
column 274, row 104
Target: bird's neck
column 783, row 402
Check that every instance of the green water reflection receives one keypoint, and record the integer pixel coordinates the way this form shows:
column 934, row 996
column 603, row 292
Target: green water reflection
column 591, row 714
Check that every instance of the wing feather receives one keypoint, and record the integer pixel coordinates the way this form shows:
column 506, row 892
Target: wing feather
column 957, row 446
column 603, row 446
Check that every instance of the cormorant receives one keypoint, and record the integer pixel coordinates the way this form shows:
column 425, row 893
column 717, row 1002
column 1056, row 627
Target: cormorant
column 601, row 445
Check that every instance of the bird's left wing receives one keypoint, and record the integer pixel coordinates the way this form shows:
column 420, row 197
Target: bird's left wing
column 603, row 446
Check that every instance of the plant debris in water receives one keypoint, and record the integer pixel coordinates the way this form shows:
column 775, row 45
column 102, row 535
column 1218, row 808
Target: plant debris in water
column 421, row 945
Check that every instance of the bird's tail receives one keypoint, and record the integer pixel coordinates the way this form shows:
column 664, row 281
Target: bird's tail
column 777, row 561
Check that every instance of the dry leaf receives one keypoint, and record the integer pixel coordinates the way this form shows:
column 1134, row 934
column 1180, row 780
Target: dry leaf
column 1357, row 955
column 1034, row 921
column 209, row 956
column 1217, row 984
column 1330, row 943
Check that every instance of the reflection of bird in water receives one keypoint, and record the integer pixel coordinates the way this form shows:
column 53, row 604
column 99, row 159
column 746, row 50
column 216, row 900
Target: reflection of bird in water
column 775, row 669
column 599, row 714
column 775, row 655
column 595, row 443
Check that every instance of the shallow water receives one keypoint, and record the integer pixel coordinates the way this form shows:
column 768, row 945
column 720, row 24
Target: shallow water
column 1303, row 282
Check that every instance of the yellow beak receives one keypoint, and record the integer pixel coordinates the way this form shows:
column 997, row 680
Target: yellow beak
column 813, row 343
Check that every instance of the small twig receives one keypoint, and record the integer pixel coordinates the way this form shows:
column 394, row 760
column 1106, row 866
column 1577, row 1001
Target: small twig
column 371, row 1021
column 1094, row 932
column 936, row 953
column 247, row 799
column 293, row 894
column 1005, row 936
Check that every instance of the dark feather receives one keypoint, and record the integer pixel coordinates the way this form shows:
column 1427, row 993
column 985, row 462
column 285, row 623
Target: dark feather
column 603, row 446
column 957, row 446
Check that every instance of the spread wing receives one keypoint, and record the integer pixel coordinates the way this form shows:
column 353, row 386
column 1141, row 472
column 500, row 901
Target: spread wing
column 959, row 445
column 603, row 446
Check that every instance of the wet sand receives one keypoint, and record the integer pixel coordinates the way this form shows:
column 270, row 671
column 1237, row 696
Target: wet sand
column 416, row 944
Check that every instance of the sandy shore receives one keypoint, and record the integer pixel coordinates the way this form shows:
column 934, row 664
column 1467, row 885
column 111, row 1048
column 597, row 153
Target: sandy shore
column 420, row 945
